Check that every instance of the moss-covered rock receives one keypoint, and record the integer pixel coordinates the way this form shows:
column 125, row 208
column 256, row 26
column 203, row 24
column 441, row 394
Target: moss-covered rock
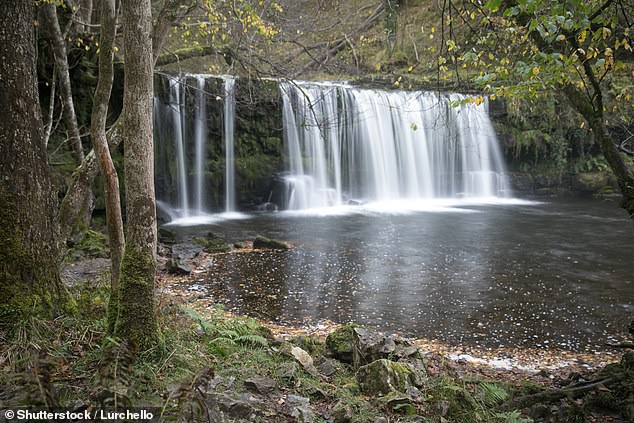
column 212, row 244
column 339, row 343
column 264, row 243
column 384, row 376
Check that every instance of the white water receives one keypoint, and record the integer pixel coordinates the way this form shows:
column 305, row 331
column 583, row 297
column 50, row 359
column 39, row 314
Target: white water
column 177, row 111
column 352, row 145
column 390, row 152
column 201, row 142
column 183, row 130
column 229, row 123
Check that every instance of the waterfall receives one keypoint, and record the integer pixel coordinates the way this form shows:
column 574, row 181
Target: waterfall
column 346, row 144
column 229, row 123
column 201, row 142
column 343, row 145
column 177, row 115
column 184, row 118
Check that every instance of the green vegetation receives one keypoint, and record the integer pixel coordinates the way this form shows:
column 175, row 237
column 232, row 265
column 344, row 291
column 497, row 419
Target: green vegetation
column 72, row 361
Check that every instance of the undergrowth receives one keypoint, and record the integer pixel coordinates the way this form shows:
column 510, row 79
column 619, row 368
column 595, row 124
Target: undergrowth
column 71, row 362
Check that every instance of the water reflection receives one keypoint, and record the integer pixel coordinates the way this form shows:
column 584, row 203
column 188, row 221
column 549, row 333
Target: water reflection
column 552, row 275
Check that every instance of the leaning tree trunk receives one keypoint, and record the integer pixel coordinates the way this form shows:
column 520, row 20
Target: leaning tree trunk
column 114, row 220
column 29, row 275
column 51, row 19
column 80, row 186
column 593, row 114
column 61, row 60
column 136, row 319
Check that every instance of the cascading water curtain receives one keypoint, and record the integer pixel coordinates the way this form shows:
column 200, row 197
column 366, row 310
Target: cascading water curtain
column 346, row 144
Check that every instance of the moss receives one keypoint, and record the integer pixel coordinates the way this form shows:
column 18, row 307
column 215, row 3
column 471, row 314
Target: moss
column 340, row 343
column 27, row 287
column 136, row 321
column 94, row 244
column 384, row 376
column 212, row 245
column 593, row 182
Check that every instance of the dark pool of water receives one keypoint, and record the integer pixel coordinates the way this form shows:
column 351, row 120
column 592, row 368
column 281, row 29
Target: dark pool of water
column 556, row 274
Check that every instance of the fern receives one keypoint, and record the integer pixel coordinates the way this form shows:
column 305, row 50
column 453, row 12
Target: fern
column 513, row 417
column 251, row 340
column 191, row 397
column 491, row 394
column 115, row 374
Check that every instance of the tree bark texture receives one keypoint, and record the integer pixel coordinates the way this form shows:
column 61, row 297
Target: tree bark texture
column 136, row 318
column 114, row 220
column 29, row 275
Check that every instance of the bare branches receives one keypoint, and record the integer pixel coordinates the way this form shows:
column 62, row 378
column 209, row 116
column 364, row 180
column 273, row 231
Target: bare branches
column 338, row 44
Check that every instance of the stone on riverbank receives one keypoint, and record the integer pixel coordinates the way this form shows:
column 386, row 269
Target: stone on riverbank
column 264, row 243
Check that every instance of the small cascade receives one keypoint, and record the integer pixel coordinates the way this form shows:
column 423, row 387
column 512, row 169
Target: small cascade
column 178, row 117
column 200, row 135
column 353, row 145
column 186, row 120
column 229, row 124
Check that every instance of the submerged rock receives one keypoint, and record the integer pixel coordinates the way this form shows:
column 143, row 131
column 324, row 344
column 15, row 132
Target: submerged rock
column 264, row 243
column 167, row 236
column 212, row 243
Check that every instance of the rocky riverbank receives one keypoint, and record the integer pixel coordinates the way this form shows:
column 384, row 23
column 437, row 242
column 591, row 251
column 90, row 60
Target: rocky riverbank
column 215, row 365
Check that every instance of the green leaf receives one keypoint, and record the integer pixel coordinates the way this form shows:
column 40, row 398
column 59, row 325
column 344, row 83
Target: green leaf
column 493, row 5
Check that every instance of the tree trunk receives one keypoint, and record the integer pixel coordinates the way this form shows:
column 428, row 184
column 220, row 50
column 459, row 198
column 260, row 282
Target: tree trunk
column 593, row 114
column 136, row 319
column 29, row 275
column 114, row 220
column 85, row 16
column 61, row 60
column 79, row 189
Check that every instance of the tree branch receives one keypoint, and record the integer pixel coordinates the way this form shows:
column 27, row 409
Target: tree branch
column 184, row 54
column 167, row 17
